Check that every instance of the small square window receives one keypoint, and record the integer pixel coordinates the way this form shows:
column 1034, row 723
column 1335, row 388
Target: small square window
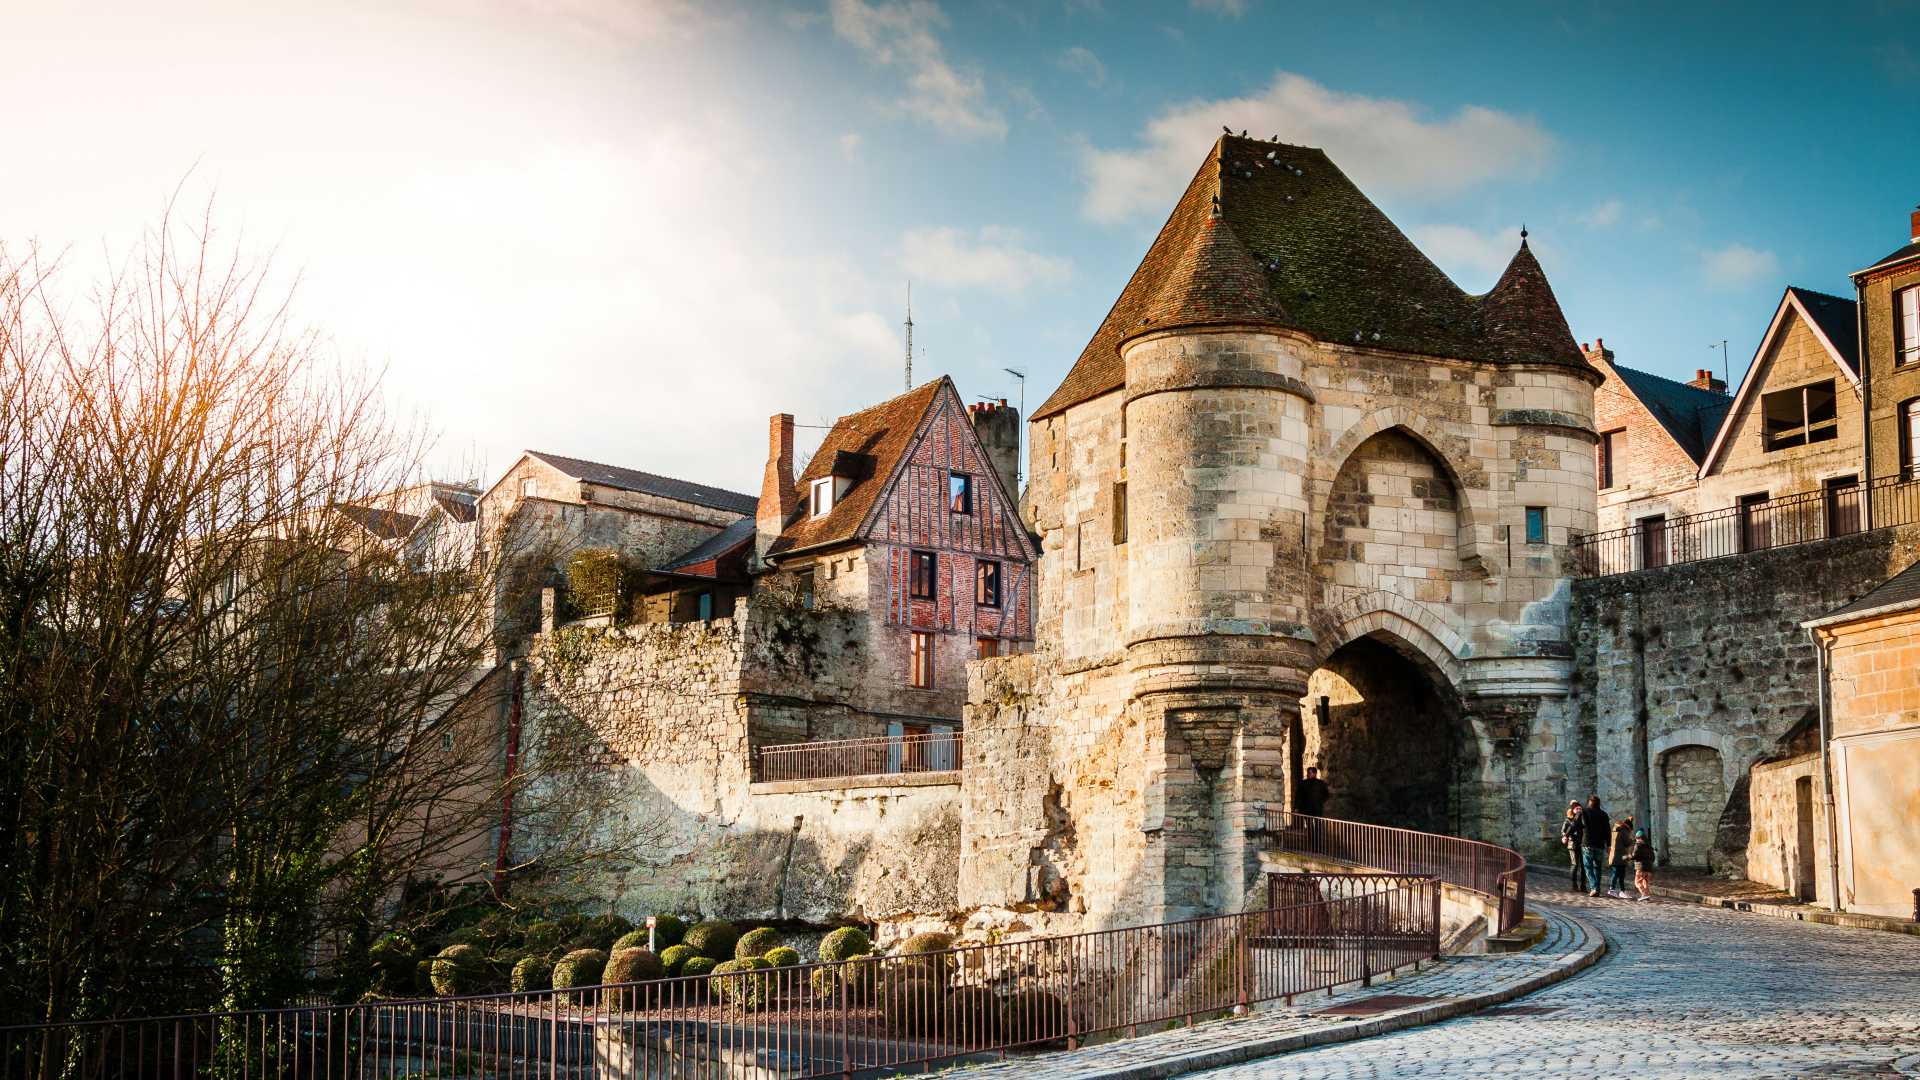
column 446, row 740
column 1536, row 524
column 988, row 647
column 529, row 487
column 988, row 592
column 820, row 497
column 921, row 656
column 960, row 493
column 925, row 568
column 806, row 588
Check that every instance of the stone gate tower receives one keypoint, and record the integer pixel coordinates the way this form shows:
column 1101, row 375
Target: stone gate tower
column 1303, row 501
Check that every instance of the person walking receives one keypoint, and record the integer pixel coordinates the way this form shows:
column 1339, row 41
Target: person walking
column 1642, row 856
column 1596, row 832
column 1617, row 857
column 1570, row 833
column 1310, row 797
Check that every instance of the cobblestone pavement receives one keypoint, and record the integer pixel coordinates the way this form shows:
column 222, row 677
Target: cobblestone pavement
column 1564, row 945
column 1684, row 991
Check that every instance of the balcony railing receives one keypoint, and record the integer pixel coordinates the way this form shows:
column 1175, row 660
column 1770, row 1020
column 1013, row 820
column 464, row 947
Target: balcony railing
column 934, row 752
column 1753, row 526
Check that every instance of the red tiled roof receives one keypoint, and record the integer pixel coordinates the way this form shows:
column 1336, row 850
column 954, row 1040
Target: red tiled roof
column 884, row 433
column 1333, row 266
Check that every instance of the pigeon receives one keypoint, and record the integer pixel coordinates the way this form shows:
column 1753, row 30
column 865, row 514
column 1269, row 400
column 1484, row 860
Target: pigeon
column 1226, row 129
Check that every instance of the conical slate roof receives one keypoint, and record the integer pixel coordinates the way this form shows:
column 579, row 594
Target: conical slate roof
column 1332, row 264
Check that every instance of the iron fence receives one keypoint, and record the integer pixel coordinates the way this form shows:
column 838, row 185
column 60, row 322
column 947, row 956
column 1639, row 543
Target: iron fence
column 937, row 751
column 1754, row 525
column 1497, row 873
column 874, row 1014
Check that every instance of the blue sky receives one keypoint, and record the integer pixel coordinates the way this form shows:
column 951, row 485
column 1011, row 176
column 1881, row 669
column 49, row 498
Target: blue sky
column 631, row 231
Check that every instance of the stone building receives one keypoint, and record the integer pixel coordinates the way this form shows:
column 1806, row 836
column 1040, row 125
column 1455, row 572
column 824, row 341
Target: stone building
column 1303, row 501
column 1889, row 294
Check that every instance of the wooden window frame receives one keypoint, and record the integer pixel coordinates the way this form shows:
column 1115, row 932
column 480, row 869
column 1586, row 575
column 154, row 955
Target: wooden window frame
column 1909, row 436
column 987, row 584
column 923, row 585
column 1756, row 529
column 986, row 648
column 1906, row 340
column 920, row 649
column 1842, row 519
column 1119, row 512
column 1609, row 453
column 820, row 497
column 1536, row 515
column 961, row 501
column 1806, row 434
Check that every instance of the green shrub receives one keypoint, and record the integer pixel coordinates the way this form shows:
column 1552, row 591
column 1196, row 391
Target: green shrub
column 668, row 931
column 579, row 968
column 755, row 943
column 697, row 965
column 633, row 965
column 632, row 939
column 825, row 982
column 576, row 930
column 973, row 1016
column 713, row 939
column 530, row 974
column 845, row 944
column 458, row 969
column 910, row 1000
column 741, row 983
column 545, row 936
column 602, row 931
column 921, row 945
column 1032, row 1016
column 597, row 581
column 673, row 957
column 422, row 976
column 782, row 956
column 858, row 976
column 392, row 959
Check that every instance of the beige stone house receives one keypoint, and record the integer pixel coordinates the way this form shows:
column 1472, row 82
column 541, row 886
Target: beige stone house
column 1889, row 292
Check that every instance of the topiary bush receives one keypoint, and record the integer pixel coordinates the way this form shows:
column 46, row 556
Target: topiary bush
column 458, row 969
column 545, row 936
column 973, row 1016
column 825, row 982
column 741, row 983
column 393, row 960
column 910, row 1000
column 602, row 931
column 921, row 945
column 858, row 977
column 633, row 965
column 579, row 968
column 755, row 943
column 668, row 931
column 1032, row 1016
column 713, row 939
column 530, row 974
column 697, row 965
column 845, row 944
column 782, row 956
column 632, row 939
column 674, row 957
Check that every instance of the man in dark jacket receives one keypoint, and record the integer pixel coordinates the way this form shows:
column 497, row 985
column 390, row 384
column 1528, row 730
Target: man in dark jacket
column 1597, row 832
column 1310, row 797
column 1570, row 833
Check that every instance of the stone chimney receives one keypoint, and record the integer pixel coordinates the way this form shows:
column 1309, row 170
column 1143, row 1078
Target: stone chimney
column 997, row 425
column 1707, row 380
column 777, row 496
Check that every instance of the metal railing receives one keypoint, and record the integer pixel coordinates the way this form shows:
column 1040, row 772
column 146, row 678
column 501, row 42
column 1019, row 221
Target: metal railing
column 934, row 752
column 872, row 1013
column 1756, row 526
column 1498, row 873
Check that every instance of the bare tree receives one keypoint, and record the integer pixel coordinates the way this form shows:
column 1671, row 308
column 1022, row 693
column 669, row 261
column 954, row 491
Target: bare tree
column 239, row 712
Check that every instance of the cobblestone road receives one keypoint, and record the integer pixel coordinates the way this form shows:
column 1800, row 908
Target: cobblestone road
column 1684, row 991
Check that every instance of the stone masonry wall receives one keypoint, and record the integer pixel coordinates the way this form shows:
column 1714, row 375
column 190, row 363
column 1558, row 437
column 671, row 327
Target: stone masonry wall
column 680, row 709
column 1707, row 654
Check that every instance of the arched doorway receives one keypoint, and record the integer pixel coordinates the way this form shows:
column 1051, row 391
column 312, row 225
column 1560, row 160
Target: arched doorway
column 1384, row 728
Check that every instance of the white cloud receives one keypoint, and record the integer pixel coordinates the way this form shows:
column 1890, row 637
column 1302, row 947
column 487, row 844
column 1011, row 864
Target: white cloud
column 850, row 146
column 1737, row 265
column 905, row 35
column 1604, row 216
column 993, row 258
column 1472, row 257
column 1226, row 9
column 1082, row 62
column 1385, row 145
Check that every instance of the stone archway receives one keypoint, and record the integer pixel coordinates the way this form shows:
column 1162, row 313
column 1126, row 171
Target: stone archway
column 1384, row 724
column 1693, row 793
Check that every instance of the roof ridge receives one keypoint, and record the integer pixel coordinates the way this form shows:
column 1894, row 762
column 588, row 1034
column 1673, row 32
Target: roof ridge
column 1816, row 292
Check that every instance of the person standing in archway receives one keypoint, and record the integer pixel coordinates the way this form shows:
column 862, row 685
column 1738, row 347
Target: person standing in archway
column 1571, row 828
column 1596, row 833
column 1310, row 795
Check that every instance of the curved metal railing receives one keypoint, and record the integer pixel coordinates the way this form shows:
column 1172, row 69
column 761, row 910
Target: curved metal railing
column 1498, row 873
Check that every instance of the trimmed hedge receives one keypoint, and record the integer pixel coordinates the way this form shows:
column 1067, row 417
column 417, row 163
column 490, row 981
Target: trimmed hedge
column 530, row 974
column 674, row 957
column 713, row 939
column 545, row 936
column 458, row 969
column 742, row 982
column 579, row 968
column 845, row 944
column 633, row 965
column 1032, row 1015
column 973, row 1015
column 668, row 931
column 697, row 965
column 756, row 943
column 911, row 1001
column 632, row 939
column 782, row 956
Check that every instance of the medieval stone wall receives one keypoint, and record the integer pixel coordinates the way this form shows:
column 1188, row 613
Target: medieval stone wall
column 680, row 708
column 1709, row 656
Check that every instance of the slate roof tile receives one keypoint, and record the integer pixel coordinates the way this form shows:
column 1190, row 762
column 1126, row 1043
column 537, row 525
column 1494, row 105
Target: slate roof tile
column 647, row 483
column 884, row 433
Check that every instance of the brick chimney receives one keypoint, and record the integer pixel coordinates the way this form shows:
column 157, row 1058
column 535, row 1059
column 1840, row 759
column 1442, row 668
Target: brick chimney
column 1913, row 225
column 1597, row 352
column 777, row 496
column 1707, row 380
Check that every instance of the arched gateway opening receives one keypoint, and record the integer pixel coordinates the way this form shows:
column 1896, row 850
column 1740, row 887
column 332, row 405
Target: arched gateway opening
column 1385, row 730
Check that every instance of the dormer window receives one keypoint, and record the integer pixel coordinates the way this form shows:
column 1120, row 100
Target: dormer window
column 960, row 493
column 1802, row 415
column 821, row 497
column 529, row 488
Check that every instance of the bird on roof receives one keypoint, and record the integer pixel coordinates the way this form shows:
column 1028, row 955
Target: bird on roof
column 1243, row 133
column 1226, row 129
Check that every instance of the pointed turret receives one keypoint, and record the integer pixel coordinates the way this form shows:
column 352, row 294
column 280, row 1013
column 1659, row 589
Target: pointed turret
column 1213, row 281
column 1520, row 318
